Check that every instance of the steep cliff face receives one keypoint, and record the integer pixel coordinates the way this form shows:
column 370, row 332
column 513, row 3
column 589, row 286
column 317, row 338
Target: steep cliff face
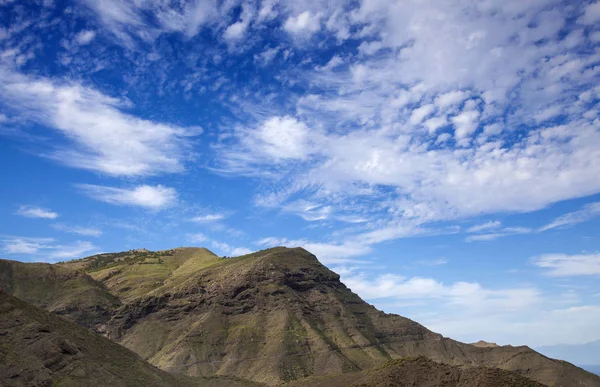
column 274, row 316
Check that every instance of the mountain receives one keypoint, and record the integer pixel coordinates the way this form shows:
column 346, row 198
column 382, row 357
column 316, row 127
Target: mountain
column 422, row 372
column 61, row 290
column 273, row 316
column 38, row 348
column 587, row 354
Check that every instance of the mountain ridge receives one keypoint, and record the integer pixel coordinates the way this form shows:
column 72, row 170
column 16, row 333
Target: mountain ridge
column 272, row 316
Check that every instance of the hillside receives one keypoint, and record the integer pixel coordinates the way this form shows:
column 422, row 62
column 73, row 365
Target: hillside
column 61, row 290
column 422, row 372
column 273, row 316
column 38, row 348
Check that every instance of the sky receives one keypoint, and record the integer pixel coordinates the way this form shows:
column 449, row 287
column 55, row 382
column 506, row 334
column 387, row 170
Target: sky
column 443, row 156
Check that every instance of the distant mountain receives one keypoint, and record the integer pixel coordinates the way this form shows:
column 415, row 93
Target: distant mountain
column 273, row 316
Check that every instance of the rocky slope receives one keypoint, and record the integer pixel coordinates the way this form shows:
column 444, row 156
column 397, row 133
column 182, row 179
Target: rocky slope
column 422, row 372
column 273, row 316
column 61, row 290
column 38, row 348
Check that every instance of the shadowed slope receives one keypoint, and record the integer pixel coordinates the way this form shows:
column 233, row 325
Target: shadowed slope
column 38, row 348
column 71, row 293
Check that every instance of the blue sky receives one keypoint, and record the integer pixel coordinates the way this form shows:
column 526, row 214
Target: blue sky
column 442, row 156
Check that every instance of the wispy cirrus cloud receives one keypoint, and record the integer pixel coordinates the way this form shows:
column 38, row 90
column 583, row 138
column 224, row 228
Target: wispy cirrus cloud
column 508, row 231
column 209, row 218
column 36, row 212
column 588, row 212
column 564, row 265
column 45, row 249
column 103, row 137
column 484, row 226
column 151, row 197
column 80, row 230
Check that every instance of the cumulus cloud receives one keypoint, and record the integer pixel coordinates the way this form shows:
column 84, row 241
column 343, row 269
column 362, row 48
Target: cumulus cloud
column 563, row 265
column 36, row 212
column 303, row 24
column 85, row 37
column 146, row 196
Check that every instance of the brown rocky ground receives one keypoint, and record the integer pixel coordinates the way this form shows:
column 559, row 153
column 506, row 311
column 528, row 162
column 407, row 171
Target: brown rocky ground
column 421, row 372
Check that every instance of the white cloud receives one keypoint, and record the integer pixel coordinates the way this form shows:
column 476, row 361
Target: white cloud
column 228, row 250
column 466, row 123
column 563, row 265
column 45, row 249
column 303, row 24
column 104, row 138
column 283, row 138
column 308, row 211
column 208, row 218
column 22, row 245
column 484, row 226
column 65, row 252
column 370, row 48
column 237, row 30
column 419, row 114
column 147, row 196
column 276, row 139
column 85, row 231
column 536, row 327
column 591, row 14
column 508, row 231
column 326, row 252
column 588, row 212
column 451, row 98
column 197, row 238
column 468, row 294
column 85, row 37
column 127, row 21
column 37, row 212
